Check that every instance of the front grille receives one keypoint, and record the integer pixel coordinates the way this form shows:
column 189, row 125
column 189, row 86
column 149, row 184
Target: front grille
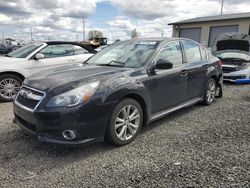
column 27, row 102
column 229, row 69
column 29, row 98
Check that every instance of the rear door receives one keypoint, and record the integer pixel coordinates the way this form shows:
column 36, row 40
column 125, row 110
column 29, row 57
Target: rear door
column 196, row 64
column 168, row 86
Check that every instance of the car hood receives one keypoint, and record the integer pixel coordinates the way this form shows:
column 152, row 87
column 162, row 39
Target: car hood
column 8, row 60
column 231, row 41
column 70, row 77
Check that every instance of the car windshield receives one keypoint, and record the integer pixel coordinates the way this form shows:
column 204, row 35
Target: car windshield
column 24, row 51
column 234, row 55
column 129, row 54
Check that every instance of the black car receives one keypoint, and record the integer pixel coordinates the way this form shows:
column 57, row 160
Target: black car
column 3, row 49
column 117, row 91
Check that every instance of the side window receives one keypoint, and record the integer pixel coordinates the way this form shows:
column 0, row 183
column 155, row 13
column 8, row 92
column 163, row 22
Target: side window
column 57, row 50
column 203, row 53
column 172, row 53
column 80, row 50
column 192, row 51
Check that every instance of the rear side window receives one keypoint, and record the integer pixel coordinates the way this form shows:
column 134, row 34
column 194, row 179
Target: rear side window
column 192, row 51
column 203, row 53
column 58, row 50
column 80, row 50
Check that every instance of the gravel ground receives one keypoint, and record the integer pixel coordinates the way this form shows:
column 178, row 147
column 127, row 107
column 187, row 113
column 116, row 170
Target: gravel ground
column 196, row 147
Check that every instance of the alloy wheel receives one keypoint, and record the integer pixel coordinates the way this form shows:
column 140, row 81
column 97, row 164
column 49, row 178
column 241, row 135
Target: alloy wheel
column 127, row 122
column 9, row 88
column 211, row 91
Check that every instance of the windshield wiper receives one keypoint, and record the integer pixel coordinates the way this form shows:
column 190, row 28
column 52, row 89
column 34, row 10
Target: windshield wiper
column 114, row 63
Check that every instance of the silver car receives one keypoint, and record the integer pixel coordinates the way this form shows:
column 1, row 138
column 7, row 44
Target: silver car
column 235, row 64
column 233, row 51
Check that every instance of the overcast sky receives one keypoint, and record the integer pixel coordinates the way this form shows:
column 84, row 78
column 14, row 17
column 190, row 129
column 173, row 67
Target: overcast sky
column 62, row 19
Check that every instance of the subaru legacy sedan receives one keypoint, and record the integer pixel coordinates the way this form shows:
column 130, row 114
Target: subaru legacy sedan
column 117, row 91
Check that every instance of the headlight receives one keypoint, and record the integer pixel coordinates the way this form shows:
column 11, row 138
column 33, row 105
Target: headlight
column 75, row 96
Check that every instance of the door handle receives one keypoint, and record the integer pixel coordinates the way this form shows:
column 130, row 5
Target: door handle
column 184, row 72
column 206, row 65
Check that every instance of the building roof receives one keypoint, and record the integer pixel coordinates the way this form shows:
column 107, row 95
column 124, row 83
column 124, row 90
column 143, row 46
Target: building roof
column 213, row 18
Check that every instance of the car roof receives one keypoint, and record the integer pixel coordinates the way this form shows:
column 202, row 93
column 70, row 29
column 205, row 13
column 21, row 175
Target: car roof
column 157, row 39
column 86, row 46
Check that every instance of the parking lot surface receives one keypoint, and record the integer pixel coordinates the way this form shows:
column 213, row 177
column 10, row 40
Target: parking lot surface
column 195, row 147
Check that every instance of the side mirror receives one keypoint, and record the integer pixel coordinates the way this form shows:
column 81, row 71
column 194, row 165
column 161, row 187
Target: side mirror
column 163, row 64
column 39, row 56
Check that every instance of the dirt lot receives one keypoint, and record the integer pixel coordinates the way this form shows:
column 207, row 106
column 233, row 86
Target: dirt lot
column 196, row 147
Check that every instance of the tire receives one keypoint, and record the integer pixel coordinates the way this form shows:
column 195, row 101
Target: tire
column 119, row 123
column 210, row 92
column 7, row 93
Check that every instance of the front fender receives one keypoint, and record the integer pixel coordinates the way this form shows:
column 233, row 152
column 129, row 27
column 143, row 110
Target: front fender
column 115, row 94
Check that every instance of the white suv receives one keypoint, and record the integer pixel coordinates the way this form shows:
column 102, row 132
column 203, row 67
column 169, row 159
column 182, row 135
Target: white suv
column 32, row 58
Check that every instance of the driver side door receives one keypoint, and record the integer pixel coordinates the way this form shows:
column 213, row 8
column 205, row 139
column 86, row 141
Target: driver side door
column 168, row 86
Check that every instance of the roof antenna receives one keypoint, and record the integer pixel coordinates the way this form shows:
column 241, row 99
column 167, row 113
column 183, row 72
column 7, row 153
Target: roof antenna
column 222, row 6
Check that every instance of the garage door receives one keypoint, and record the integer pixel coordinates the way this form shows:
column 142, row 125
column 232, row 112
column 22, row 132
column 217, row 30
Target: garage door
column 191, row 33
column 215, row 31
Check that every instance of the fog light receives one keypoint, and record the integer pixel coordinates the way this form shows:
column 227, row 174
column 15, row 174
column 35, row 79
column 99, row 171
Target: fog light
column 69, row 134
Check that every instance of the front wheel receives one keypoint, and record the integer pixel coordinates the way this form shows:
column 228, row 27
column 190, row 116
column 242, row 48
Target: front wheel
column 125, row 122
column 210, row 93
column 9, row 86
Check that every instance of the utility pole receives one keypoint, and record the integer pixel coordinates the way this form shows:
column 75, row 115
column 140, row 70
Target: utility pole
column 83, row 29
column 31, row 34
column 3, row 36
column 162, row 34
column 222, row 6
column 76, row 37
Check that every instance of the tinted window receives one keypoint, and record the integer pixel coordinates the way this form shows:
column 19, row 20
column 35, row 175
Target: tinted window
column 203, row 53
column 80, row 50
column 172, row 53
column 58, row 50
column 192, row 51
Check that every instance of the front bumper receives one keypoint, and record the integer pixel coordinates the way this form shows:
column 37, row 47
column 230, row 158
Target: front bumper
column 87, row 121
column 237, row 75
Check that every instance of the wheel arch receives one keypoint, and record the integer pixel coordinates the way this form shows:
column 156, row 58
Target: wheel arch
column 13, row 73
column 138, row 98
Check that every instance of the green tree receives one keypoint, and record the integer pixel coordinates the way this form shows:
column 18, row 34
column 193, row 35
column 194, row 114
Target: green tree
column 134, row 34
column 94, row 34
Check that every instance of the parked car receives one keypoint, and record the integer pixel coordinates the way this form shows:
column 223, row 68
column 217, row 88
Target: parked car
column 233, row 51
column 115, row 92
column 3, row 49
column 35, row 57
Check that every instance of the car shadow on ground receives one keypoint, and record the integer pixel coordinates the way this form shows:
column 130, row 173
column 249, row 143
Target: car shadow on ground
column 17, row 139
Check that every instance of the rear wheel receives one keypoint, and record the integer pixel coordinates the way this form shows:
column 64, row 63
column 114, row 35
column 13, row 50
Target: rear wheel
column 125, row 122
column 210, row 92
column 9, row 86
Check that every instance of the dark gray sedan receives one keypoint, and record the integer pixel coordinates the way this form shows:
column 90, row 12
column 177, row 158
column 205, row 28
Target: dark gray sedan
column 117, row 91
